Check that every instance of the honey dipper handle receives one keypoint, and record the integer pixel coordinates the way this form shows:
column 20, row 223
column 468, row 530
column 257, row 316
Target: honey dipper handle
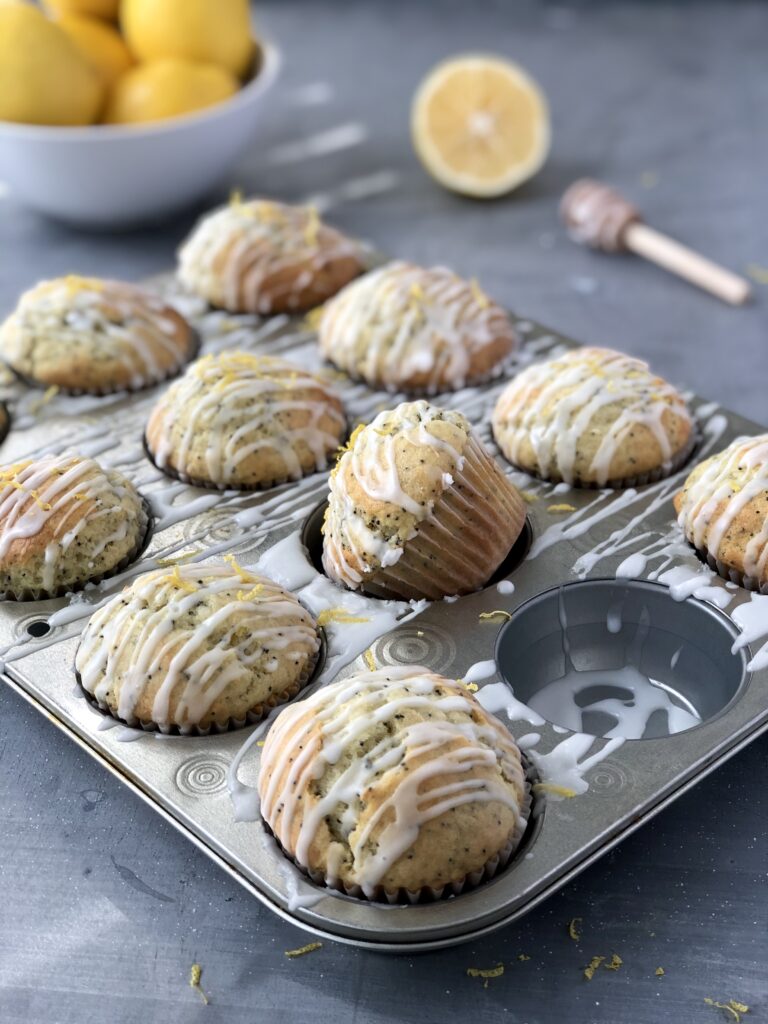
column 671, row 255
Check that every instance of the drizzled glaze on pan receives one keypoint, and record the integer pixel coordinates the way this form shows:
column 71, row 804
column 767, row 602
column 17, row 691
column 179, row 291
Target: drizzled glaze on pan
column 237, row 419
column 196, row 644
column 405, row 327
column 363, row 765
column 265, row 257
column 554, row 410
column 93, row 335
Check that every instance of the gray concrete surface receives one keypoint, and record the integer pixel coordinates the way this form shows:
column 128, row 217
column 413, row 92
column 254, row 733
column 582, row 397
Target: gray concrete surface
column 104, row 907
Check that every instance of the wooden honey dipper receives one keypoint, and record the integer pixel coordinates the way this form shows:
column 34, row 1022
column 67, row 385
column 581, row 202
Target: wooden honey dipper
column 598, row 216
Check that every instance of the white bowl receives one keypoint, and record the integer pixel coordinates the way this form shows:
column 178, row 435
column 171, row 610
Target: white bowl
column 120, row 175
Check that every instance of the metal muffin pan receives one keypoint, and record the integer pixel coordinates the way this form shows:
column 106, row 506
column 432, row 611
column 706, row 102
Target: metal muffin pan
column 185, row 778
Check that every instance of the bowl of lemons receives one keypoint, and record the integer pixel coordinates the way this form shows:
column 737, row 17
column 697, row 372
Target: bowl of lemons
column 116, row 113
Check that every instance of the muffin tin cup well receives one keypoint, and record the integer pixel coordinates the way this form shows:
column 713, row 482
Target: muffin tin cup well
column 254, row 715
column 144, row 385
column 41, row 594
column 430, row 894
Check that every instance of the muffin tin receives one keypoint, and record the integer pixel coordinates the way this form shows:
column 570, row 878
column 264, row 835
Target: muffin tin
column 589, row 790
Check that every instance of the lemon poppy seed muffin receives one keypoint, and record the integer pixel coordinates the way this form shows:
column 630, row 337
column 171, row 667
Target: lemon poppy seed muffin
column 723, row 511
column 236, row 420
column 196, row 647
column 64, row 520
column 593, row 417
column 409, row 328
column 418, row 508
column 83, row 334
column 264, row 257
column 393, row 782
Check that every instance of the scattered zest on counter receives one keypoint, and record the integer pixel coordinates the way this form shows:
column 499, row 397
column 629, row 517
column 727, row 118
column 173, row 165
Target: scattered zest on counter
column 195, row 973
column 302, row 950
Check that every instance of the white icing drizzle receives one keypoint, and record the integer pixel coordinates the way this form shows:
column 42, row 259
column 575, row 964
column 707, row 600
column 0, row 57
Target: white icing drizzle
column 252, row 255
column 407, row 326
column 719, row 490
column 246, row 406
column 139, row 635
column 752, row 620
column 61, row 494
column 551, row 407
column 317, row 733
column 371, row 463
column 109, row 321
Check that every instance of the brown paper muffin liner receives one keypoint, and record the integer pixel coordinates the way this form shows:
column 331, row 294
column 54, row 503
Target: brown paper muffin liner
column 41, row 594
column 253, row 716
column 472, row 528
column 174, row 371
column 639, row 480
column 198, row 481
column 732, row 575
column 429, row 894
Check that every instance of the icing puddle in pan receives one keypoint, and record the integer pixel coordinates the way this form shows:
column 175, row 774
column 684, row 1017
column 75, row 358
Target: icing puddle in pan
column 591, row 670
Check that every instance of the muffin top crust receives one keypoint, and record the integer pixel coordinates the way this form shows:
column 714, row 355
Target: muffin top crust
column 723, row 507
column 237, row 419
column 258, row 256
column 394, row 779
column 404, row 327
column 196, row 645
column 63, row 521
column 592, row 416
column 92, row 335
column 386, row 483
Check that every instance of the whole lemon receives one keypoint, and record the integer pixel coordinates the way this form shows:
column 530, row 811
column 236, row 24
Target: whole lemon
column 211, row 31
column 100, row 44
column 44, row 79
column 166, row 88
column 92, row 8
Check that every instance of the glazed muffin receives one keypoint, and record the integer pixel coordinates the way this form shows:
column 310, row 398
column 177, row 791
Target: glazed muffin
column 723, row 511
column 413, row 329
column 418, row 508
column 196, row 647
column 65, row 521
column 593, row 417
column 237, row 420
column 392, row 784
column 83, row 334
column 264, row 257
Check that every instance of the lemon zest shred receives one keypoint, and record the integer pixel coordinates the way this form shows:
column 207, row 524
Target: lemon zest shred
column 176, row 580
column 313, row 317
column 195, row 974
column 615, row 964
column 659, row 972
column 244, row 575
column 249, row 595
column 732, row 1007
column 370, row 661
column 302, row 950
column 480, row 297
column 338, row 615
column 486, row 972
column 236, row 198
column 554, row 789
column 497, row 615
column 757, row 273
column 592, row 966
column 260, row 743
column 529, row 497
column 44, row 399
column 573, row 928
column 522, row 957
column 312, row 226
column 564, row 507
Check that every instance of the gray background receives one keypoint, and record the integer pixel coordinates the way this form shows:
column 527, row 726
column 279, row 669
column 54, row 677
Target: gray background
column 104, row 907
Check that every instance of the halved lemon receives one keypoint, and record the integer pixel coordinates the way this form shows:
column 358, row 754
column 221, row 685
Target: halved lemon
column 480, row 125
